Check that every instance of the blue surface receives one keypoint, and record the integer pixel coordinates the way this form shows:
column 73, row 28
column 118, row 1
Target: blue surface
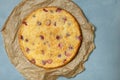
column 103, row 63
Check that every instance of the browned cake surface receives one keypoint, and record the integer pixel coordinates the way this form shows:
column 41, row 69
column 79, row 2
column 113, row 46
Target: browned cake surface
column 49, row 37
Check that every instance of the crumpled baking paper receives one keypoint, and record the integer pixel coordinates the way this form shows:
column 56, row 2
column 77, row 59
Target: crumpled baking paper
column 30, row 71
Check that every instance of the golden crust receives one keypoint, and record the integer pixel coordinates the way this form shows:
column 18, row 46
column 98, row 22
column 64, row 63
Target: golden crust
column 49, row 37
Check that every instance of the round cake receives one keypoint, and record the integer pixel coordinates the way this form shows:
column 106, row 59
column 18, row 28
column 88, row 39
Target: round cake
column 49, row 37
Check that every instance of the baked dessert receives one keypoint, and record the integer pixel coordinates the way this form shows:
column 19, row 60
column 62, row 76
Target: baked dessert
column 49, row 37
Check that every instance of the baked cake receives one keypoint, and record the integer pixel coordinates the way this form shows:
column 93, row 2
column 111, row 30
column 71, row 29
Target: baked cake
column 49, row 37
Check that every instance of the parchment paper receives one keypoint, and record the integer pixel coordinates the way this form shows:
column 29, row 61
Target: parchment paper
column 30, row 71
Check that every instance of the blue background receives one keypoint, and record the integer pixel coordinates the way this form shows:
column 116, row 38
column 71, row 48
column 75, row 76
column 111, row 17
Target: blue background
column 103, row 63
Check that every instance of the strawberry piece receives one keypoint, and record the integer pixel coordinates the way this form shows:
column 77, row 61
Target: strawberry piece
column 64, row 60
column 58, row 10
column 60, row 45
column 70, row 47
column 41, row 37
column 59, row 55
column 33, row 61
column 25, row 23
column 49, row 61
column 45, row 10
column 21, row 37
column 79, row 37
column 67, row 54
column 64, row 19
column 44, row 62
column 27, row 49
column 58, row 37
